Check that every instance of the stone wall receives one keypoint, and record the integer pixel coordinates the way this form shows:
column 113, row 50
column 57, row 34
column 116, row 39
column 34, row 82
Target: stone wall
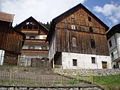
column 49, row 88
column 87, row 72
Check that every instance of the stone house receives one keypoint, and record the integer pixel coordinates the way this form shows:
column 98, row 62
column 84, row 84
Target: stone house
column 113, row 36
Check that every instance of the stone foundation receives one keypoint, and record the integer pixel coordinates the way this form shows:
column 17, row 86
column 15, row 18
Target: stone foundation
column 88, row 72
column 51, row 88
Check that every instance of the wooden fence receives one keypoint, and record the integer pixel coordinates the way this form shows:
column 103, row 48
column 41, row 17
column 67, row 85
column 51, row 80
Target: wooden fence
column 33, row 79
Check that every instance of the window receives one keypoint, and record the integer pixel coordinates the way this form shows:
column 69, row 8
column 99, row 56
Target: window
column 89, row 19
column 92, row 43
column 110, row 43
column 27, row 23
column 31, row 47
column 91, row 29
column 74, row 62
column 32, row 37
column 93, row 60
column 74, row 42
column 73, row 27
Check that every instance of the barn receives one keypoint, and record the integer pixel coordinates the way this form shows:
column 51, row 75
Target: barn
column 77, row 40
column 11, row 41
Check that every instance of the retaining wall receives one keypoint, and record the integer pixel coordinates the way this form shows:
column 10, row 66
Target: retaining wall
column 51, row 88
column 87, row 72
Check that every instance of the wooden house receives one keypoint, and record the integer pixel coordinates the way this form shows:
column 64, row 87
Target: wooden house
column 77, row 40
column 35, row 48
column 11, row 41
column 113, row 36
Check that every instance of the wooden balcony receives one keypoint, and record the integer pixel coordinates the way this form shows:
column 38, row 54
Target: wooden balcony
column 35, row 41
column 34, row 51
column 27, row 31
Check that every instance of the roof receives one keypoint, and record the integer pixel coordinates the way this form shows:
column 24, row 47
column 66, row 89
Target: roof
column 113, row 30
column 6, row 17
column 31, row 18
column 69, row 12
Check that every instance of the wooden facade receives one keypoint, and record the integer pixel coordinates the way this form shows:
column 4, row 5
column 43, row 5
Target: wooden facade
column 82, row 20
column 77, row 31
column 35, row 45
column 11, row 41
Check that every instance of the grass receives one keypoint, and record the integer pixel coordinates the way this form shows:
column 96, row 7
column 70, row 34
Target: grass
column 16, row 82
column 67, row 82
column 111, row 82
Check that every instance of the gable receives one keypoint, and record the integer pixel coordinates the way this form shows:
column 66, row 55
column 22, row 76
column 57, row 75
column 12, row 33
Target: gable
column 31, row 24
column 63, row 18
column 80, row 21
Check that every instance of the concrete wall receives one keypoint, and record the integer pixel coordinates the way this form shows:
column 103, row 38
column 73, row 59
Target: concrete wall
column 84, row 61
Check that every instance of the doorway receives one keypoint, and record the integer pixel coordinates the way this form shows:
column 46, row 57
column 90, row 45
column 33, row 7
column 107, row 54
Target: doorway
column 104, row 65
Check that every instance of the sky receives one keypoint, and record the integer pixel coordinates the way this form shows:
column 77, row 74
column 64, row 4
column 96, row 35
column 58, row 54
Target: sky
column 45, row 10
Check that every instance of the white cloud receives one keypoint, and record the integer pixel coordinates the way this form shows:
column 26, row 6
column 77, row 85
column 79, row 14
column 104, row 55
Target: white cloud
column 42, row 10
column 111, row 11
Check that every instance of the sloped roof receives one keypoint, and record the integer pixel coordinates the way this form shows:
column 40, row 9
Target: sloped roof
column 31, row 18
column 113, row 30
column 69, row 12
column 6, row 17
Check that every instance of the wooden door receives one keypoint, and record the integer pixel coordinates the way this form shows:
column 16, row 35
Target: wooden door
column 104, row 65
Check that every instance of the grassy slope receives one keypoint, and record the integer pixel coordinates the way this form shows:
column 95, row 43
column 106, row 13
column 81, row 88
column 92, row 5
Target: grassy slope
column 111, row 82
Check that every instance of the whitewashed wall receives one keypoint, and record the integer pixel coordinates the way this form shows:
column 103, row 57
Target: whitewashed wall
column 115, row 49
column 84, row 61
column 118, row 43
column 113, row 41
column 2, row 53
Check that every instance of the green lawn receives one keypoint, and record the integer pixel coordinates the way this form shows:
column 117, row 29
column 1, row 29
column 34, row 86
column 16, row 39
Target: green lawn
column 111, row 82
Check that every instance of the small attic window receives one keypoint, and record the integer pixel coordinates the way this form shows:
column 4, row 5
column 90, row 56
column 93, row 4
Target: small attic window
column 89, row 19
column 27, row 23
column 91, row 29
column 73, row 27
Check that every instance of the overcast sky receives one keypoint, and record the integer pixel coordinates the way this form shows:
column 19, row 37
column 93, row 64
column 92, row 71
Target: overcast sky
column 45, row 10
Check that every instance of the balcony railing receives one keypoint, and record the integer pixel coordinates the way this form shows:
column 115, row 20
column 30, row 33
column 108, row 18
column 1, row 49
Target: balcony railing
column 30, row 31
column 35, row 41
column 35, row 51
